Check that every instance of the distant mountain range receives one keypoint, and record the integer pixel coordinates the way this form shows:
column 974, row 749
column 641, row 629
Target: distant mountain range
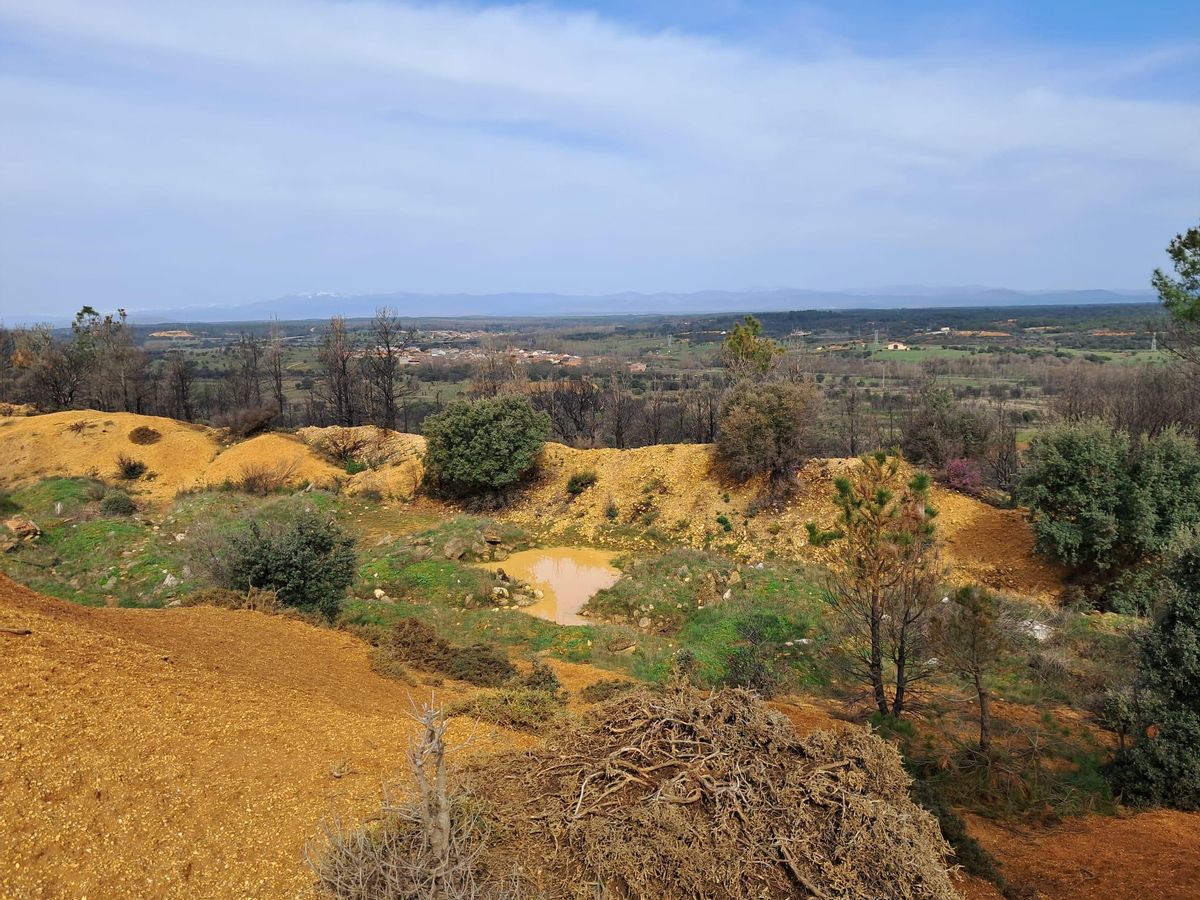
column 410, row 305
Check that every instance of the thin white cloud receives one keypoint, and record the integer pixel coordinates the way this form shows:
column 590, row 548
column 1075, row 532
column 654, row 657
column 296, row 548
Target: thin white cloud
column 382, row 146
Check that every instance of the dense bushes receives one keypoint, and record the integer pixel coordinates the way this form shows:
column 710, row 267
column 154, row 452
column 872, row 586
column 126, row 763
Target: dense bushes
column 246, row 422
column 1163, row 766
column 415, row 643
column 1100, row 500
column 766, row 429
column 117, row 503
column 481, row 448
column 580, row 482
column 308, row 560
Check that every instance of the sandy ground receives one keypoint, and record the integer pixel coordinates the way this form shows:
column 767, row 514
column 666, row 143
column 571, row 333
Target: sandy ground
column 191, row 752
column 183, row 753
column 983, row 544
column 1151, row 856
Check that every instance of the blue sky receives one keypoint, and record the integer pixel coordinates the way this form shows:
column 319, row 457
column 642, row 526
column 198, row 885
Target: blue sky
column 163, row 153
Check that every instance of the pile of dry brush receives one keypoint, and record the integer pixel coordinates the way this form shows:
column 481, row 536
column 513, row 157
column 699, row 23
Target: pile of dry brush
column 687, row 794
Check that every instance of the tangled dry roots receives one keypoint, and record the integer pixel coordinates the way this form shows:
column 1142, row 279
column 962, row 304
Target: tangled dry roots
column 694, row 795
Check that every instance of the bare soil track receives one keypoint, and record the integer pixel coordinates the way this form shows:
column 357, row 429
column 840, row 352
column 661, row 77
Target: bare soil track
column 183, row 753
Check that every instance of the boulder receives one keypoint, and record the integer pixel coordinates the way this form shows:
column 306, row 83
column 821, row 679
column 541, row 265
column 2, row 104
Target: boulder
column 22, row 529
column 491, row 534
column 455, row 548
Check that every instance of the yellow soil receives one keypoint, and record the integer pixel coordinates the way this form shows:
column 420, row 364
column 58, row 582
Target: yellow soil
column 393, row 456
column 984, row 544
column 40, row 446
column 188, row 752
column 280, row 455
column 186, row 457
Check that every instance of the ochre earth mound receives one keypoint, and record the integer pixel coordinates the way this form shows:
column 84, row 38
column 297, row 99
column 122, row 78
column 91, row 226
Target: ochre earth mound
column 671, row 488
column 674, row 489
column 186, row 752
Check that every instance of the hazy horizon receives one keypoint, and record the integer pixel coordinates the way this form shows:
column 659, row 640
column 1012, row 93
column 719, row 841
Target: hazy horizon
column 168, row 156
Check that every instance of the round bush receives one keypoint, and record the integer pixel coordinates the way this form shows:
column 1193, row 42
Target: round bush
column 117, row 503
column 481, row 448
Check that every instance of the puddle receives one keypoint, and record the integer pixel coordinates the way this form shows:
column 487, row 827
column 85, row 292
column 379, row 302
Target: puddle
column 567, row 577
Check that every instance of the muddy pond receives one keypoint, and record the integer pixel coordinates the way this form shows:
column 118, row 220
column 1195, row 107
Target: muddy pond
column 566, row 576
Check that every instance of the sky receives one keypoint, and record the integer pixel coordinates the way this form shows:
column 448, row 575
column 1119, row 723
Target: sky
column 165, row 153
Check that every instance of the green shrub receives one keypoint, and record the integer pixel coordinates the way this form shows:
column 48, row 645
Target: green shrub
column 541, row 678
column 1134, row 592
column 1100, row 501
column 606, row 690
column 117, row 503
column 1164, row 473
column 129, row 468
column 724, row 522
column 611, row 511
column 746, row 667
column 580, row 482
column 415, row 643
column 354, row 466
column 1163, row 766
column 308, row 560
column 1076, row 483
column 520, row 708
column 766, row 429
column 482, row 448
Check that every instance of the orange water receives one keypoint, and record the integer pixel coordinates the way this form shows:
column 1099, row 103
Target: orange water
column 566, row 576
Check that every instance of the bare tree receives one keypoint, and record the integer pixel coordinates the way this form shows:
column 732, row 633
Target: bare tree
column 180, row 376
column 274, row 361
column 247, row 371
column 117, row 375
column 389, row 340
column 54, row 372
column 575, row 407
column 338, row 358
column 496, row 373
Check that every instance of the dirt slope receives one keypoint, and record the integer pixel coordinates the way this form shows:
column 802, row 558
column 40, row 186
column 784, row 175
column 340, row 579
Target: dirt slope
column 182, row 753
column 671, row 487
column 1153, row 855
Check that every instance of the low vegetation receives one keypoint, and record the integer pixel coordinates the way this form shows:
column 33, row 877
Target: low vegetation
column 308, row 561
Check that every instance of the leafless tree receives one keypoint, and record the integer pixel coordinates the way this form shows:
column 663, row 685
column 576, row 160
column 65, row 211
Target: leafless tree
column 180, row 376
column 389, row 340
column 247, row 371
column 338, row 358
column 274, row 362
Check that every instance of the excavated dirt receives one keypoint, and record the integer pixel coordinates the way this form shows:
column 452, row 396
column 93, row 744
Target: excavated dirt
column 670, row 488
column 1149, row 855
column 673, row 488
column 184, row 753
